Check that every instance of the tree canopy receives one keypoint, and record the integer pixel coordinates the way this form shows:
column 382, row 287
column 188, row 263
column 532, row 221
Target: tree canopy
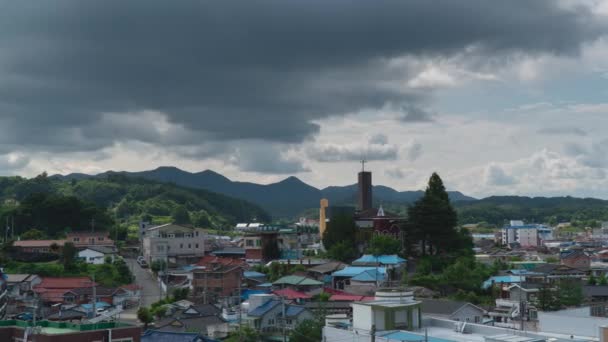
column 384, row 245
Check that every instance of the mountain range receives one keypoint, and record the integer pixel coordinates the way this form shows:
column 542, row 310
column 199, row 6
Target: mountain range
column 286, row 198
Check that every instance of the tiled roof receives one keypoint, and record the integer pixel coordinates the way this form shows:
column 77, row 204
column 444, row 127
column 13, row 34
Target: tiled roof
column 100, row 291
column 67, row 283
column 131, row 287
column 209, row 260
column 441, row 306
column 291, row 294
column 38, row 243
column 264, row 308
column 296, row 280
column 350, row 298
column 328, row 267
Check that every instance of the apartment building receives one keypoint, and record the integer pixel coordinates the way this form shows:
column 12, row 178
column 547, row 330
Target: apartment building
column 174, row 244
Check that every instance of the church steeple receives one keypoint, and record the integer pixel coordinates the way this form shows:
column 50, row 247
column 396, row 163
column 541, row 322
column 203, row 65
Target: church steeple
column 380, row 211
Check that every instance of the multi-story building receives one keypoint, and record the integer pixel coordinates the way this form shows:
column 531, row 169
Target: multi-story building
column 526, row 235
column 215, row 277
column 174, row 244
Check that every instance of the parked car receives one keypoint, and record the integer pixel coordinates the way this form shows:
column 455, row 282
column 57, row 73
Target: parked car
column 142, row 263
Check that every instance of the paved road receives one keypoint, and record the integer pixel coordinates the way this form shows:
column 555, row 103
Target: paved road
column 144, row 278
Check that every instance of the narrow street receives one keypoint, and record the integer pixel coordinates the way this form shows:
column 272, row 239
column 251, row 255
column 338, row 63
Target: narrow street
column 149, row 289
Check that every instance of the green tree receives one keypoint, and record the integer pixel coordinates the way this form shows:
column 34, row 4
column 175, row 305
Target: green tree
column 158, row 265
column 180, row 215
column 570, row 292
column 68, row 255
column 432, row 220
column 384, row 245
column 244, row 334
column 341, row 228
column 307, row 331
column 592, row 280
column 145, row 316
column 603, row 280
column 547, row 298
column 342, row 251
column 33, row 234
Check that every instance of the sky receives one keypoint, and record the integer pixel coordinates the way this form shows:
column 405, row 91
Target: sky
column 499, row 98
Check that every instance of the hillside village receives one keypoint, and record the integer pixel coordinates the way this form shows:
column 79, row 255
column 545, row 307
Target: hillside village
column 352, row 272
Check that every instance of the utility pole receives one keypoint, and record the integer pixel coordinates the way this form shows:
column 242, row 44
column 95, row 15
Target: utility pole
column 373, row 333
column 94, row 297
column 284, row 320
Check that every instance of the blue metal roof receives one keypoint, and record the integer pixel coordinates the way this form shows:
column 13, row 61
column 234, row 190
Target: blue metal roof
column 253, row 274
column 382, row 259
column 408, row 336
column 369, row 275
column 264, row 308
column 351, row 271
column 246, row 293
column 97, row 305
column 502, row 279
column 293, row 311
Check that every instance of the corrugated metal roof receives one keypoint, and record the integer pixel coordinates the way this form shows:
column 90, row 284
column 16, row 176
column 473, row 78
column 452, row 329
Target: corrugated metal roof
column 351, row 271
column 382, row 259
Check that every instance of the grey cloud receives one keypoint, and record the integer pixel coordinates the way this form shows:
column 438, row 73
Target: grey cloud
column 414, row 151
column 394, row 173
column 231, row 70
column 495, row 175
column 562, row 131
column 264, row 158
column 412, row 113
column 12, row 162
column 377, row 148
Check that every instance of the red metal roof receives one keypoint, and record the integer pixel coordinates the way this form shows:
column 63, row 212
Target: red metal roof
column 38, row 243
column 68, row 283
column 209, row 260
column 291, row 294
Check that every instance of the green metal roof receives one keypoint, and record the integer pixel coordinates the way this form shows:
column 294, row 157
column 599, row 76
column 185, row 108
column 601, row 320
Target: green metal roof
column 296, row 280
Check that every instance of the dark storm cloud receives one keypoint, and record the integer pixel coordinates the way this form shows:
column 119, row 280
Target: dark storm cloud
column 229, row 70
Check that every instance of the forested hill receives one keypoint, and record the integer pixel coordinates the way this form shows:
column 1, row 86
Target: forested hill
column 115, row 197
column 285, row 199
column 499, row 209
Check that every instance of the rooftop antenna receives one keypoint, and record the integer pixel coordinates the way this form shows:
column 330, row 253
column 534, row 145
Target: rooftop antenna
column 363, row 161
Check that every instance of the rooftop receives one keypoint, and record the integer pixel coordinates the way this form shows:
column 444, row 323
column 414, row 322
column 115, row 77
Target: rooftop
column 58, row 328
column 38, row 243
column 380, row 259
column 297, row 280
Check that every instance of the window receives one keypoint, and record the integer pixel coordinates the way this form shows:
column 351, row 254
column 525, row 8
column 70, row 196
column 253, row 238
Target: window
column 249, row 243
column 189, row 246
column 288, row 321
column 76, row 239
column 258, row 243
column 159, row 248
column 196, row 246
column 270, row 321
column 100, row 238
column 196, row 233
column 181, row 245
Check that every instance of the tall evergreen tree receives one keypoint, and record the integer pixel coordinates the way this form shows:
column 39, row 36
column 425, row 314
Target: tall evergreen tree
column 432, row 220
column 341, row 228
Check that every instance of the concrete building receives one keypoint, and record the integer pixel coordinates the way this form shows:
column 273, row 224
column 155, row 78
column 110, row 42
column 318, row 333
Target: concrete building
column 386, row 315
column 174, row 244
column 364, row 194
column 525, row 235
column 215, row 277
column 86, row 239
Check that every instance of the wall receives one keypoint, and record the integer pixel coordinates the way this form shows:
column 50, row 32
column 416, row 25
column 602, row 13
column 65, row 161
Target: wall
column 562, row 322
column 468, row 314
column 362, row 317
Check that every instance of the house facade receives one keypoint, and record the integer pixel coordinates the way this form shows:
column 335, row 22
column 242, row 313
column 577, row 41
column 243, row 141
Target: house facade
column 215, row 277
column 96, row 255
column 86, row 239
column 266, row 314
column 173, row 243
column 39, row 246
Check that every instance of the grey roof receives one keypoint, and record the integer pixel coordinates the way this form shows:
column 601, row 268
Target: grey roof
column 555, row 268
column 595, row 290
column 264, row 308
column 329, row 305
column 164, row 336
column 293, row 310
column 442, row 307
column 102, row 249
column 18, row 278
column 182, row 324
column 203, row 310
column 66, row 315
column 329, row 267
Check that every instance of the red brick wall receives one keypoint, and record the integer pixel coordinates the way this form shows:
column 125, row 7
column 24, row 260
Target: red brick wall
column 253, row 254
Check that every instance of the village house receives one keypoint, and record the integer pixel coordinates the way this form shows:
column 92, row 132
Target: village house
column 265, row 314
column 51, row 290
column 39, row 246
column 97, row 255
column 21, row 286
column 453, row 310
column 174, row 244
column 215, row 277
column 575, row 258
column 204, row 319
column 85, row 239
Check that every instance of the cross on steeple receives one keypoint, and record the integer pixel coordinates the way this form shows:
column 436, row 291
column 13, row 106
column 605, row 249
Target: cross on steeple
column 363, row 161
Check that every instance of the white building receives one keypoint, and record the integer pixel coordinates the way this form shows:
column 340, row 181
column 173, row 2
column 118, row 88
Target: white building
column 174, row 243
column 526, row 235
column 96, row 255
